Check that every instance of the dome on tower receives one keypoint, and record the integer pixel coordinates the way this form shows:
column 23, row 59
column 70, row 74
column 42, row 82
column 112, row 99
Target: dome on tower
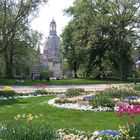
column 52, row 50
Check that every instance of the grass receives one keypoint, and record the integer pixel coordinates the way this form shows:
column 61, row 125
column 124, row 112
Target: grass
column 77, row 81
column 60, row 118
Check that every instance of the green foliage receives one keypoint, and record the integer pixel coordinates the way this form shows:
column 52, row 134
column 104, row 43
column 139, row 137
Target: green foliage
column 64, row 101
column 103, row 48
column 130, row 132
column 46, row 74
column 133, row 103
column 118, row 93
column 68, row 81
column 69, row 48
column 74, row 92
column 61, row 118
column 136, row 87
column 26, row 128
column 102, row 101
column 104, row 98
column 9, row 93
column 17, row 39
column 42, row 92
column 134, row 131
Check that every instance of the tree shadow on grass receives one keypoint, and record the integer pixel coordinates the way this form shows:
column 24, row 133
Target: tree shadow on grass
column 11, row 102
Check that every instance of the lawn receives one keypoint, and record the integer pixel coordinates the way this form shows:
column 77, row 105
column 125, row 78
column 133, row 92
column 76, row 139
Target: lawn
column 60, row 118
column 76, row 81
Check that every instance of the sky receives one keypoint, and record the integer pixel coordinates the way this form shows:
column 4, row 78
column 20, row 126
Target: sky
column 52, row 10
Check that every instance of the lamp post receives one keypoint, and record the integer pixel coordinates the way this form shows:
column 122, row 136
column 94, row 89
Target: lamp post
column 134, row 78
column 134, row 68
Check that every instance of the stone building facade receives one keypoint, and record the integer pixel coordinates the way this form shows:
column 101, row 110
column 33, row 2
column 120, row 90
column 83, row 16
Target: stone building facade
column 52, row 51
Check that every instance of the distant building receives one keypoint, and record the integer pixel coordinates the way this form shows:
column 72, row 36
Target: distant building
column 52, row 51
column 36, row 66
column 50, row 59
column 136, row 58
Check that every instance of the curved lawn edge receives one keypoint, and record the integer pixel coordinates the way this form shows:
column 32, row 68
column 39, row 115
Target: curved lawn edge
column 79, row 107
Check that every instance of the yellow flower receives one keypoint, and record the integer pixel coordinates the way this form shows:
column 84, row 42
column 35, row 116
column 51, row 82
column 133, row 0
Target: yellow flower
column 36, row 117
column 18, row 115
column 7, row 88
column 16, row 118
column 29, row 117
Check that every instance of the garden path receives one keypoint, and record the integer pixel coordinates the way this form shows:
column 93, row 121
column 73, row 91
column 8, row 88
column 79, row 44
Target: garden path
column 63, row 88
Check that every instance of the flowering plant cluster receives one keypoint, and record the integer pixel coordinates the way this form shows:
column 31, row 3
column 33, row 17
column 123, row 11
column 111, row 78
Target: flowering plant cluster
column 130, row 110
column 130, row 131
column 7, row 88
column 29, row 117
column 73, row 134
column 41, row 85
column 27, row 127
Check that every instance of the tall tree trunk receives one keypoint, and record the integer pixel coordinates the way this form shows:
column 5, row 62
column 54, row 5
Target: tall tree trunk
column 122, row 60
column 11, row 63
column 123, row 75
column 6, row 63
column 75, row 70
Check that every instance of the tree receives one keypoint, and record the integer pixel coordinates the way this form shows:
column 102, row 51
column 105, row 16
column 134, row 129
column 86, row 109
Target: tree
column 46, row 74
column 69, row 48
column 125, row 19
column 14, row 27
column 105, row 31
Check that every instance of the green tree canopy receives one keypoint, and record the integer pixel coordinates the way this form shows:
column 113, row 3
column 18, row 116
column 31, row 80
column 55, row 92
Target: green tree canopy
column 16, row 34
column 103, row 34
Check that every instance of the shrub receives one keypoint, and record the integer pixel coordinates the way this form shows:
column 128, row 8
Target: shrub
column 102, row 101
column 27, row 128
column 46, row 74
column 130, row 132
column 74, row 92
column 42, row 92
column 135, row 131
column 118, row 93
column 136, row 87
column 8, row 93
column 64, row 101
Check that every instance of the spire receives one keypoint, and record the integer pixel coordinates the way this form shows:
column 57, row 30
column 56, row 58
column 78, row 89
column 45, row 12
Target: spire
column 53, row 27
column 38, row 49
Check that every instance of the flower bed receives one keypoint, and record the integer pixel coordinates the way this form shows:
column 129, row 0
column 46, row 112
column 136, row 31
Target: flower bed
column 73, row 134
column 80, row 107
column 107, row 100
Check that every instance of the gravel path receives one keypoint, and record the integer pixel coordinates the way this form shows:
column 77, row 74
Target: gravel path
column 63, row 88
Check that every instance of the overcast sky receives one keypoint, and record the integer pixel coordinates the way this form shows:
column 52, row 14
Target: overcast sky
column 53, row 9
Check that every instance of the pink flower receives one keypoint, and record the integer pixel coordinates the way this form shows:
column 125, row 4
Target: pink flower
column 40, row 85
column 132, row 123
column 130, row 110
column 122, row 104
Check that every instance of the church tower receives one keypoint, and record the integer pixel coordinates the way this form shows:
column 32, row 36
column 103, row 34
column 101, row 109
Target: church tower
column 53, row 28
column 51, row 52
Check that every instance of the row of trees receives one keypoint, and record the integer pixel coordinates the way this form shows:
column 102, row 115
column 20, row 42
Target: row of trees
column 100, row 37
column 18, row 41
